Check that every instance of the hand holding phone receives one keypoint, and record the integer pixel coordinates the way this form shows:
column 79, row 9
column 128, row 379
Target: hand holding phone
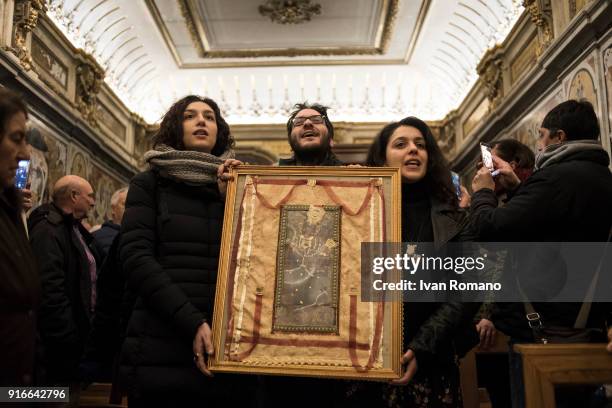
column 21, row 176
column 487, row 157
column 457, row 183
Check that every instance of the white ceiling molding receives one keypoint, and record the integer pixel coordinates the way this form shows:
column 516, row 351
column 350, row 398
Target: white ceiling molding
column 124, row 37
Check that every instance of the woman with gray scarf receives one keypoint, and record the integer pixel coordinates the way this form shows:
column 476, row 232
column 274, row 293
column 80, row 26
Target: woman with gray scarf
column 171, row 236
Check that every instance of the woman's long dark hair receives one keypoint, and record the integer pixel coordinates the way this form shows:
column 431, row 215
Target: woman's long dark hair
column 170, row 130
column 437, row 177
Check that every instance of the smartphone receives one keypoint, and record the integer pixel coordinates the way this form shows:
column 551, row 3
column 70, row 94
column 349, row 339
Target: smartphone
column 456, row 183
column 487, row 157
column 21, row 177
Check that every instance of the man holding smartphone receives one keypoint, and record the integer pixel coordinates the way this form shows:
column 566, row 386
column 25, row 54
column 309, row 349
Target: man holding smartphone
column 569, row 195
column 567, row 199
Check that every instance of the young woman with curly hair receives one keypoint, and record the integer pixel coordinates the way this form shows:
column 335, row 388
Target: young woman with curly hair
column 171, row 234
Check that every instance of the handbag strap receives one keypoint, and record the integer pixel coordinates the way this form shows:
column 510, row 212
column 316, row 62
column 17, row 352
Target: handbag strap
column 535, row 320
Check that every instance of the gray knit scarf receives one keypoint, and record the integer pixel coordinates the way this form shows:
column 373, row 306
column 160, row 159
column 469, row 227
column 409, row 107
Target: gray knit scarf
column 187, row 165
column 558, row 152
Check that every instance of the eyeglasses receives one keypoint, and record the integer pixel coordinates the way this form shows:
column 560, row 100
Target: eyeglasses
column 315, row 119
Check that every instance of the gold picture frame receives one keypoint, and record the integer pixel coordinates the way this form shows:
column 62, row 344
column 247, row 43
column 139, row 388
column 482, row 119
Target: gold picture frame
column 288, row 289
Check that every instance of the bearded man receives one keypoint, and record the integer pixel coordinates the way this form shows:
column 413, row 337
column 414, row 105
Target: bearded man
column 311, row 137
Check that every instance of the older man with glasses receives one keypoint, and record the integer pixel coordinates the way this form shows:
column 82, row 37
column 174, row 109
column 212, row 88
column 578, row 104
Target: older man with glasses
column 68, row 263
column 311, row 137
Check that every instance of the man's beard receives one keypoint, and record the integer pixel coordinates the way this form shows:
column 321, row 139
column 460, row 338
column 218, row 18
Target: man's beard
column 311, row 154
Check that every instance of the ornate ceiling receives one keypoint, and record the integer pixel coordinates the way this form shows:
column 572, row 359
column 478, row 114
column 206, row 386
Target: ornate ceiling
column 210, row 33
column 371, row 60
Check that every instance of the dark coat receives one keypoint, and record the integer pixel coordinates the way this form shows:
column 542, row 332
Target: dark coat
column 329, row 160
column 446, row 328
column 113, row 308
column 170, row 241
column 66, row 309
column 438, row 331
column 105, row 236
column 19, row 296
column 568, row 201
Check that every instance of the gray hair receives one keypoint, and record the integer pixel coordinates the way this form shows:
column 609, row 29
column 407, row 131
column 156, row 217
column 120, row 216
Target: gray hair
column 116, row 194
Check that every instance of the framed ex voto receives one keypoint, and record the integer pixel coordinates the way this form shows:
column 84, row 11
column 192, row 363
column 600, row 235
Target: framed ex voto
column 288, row 296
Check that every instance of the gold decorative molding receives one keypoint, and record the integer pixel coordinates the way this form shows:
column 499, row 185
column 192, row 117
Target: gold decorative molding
column 143, row 140
column 475, row 117
column 388, row 12
column 541, row 15
column 524, row 61
column 288, row 63
column 448, row 133
column 90, row 76
column 289, row 11
column 25, row 18
column 575, row 6
column 109, row 120
column 198, row 38
column 490, row 71
column 46, row 60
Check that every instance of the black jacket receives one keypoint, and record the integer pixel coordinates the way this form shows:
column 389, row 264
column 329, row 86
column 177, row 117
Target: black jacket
column 105, row 236
column 568, row 201
column 330, row 159
column 19, row 295
column 65, row 311
column 113, row 308
column 170, row 241
column 447, row 329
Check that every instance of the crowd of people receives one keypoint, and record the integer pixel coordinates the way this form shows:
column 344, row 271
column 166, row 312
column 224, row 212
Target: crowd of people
column 132, row 303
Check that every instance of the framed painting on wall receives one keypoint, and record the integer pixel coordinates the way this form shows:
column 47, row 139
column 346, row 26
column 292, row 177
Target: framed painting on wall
column 288, row 293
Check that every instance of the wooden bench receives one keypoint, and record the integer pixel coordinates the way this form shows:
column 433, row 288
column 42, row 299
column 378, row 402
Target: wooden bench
column 97, row 396
column 547, row 365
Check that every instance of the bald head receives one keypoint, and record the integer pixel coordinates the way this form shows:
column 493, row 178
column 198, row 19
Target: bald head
column 74, row 195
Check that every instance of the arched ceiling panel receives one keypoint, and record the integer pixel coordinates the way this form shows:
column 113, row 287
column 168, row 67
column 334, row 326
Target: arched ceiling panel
column 371, row 60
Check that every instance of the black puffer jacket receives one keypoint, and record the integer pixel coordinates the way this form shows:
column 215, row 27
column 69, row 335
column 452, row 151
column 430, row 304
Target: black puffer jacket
column 170, row 242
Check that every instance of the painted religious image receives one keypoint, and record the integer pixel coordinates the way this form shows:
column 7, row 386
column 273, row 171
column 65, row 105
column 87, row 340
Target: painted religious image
column 288, row 290
column 306, row 298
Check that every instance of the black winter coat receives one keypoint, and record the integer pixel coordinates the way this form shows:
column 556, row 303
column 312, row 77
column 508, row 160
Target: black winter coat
column 113, row 307
column 170, row 241
column 568, row 201
column 19, row 295
column 447, row 329
column 65, row 311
